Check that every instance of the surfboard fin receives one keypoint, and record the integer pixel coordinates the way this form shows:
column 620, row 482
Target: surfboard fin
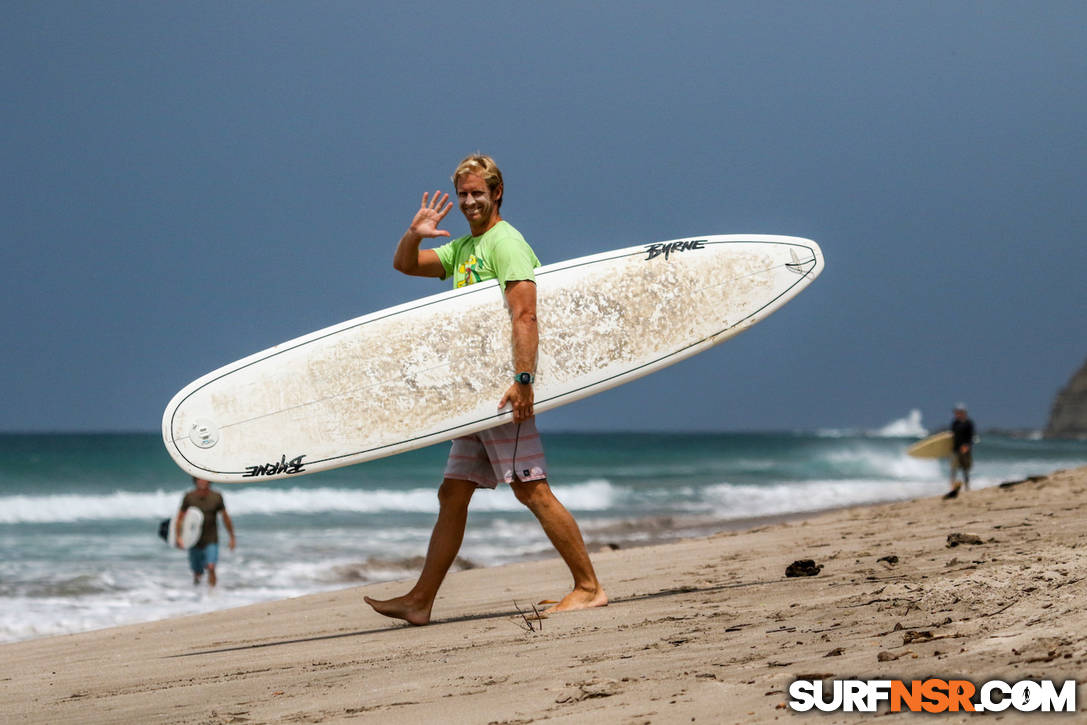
column 797, row 266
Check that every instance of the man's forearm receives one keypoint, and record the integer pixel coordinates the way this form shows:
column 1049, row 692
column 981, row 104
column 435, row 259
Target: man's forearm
column 526, row 341
column 406, row 258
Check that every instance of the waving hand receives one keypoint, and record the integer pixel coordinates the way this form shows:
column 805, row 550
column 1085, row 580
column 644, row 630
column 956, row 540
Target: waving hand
column 430, row 215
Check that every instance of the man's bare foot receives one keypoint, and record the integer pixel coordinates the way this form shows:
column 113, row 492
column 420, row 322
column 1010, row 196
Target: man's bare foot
column 580, row 599
column 401, row 608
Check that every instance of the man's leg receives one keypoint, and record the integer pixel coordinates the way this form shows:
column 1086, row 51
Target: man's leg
column 414, row 607
column 196, row 563
column 565, row 536
column 211, row 555
column 956, row 486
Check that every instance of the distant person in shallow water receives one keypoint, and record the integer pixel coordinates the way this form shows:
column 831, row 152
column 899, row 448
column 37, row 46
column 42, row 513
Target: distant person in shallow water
column 962, row 447
column 205, row 554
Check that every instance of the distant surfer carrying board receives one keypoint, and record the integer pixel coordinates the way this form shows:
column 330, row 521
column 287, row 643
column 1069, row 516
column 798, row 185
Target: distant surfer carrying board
column 511, row 453
column 962, row 450
column 205, row 553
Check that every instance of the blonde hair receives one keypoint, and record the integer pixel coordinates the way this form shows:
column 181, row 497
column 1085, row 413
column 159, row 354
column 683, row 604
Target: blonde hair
column 484, row 167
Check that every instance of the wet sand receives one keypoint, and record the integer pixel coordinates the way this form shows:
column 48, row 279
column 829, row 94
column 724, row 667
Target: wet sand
column 701, row 630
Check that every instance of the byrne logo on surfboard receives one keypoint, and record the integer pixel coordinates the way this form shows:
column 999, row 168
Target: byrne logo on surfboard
column 656, row 250
column 276, row 468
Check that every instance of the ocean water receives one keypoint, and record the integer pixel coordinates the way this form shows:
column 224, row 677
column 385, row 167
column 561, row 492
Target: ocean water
column 79, row 514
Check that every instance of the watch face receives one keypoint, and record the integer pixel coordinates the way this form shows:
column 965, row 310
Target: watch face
column 525, row 378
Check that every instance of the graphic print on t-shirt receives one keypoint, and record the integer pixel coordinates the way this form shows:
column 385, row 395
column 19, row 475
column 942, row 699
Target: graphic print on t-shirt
column 467, row 272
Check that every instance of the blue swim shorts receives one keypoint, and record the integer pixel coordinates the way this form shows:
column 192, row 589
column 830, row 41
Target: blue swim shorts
column 201, row 556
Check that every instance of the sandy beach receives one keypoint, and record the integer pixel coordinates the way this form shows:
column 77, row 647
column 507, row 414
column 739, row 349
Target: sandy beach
column 701, row 630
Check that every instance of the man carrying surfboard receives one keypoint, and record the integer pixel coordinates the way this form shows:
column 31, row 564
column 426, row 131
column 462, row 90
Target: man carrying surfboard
column 511, row 453
column 204, row 554
column 962, row 447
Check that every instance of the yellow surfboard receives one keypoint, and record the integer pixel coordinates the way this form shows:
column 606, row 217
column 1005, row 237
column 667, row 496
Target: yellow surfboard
column 937, row 445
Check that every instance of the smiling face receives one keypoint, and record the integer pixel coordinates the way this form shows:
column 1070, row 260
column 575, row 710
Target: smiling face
column 478, row 203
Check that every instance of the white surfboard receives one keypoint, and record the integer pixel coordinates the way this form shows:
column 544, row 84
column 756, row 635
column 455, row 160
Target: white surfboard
column 191, row 528
column 937, row 445
column 435, row 368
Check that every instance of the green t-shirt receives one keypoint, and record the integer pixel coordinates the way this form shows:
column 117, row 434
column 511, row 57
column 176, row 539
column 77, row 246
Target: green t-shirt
column 499, row 253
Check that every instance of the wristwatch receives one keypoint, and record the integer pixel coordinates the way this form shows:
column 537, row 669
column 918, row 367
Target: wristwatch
column 524, row 378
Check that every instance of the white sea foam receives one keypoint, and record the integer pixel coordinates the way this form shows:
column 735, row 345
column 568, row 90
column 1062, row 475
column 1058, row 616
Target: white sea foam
column 75, row 594
column 730, row 501
column 591, row 495
column 861, row 461
column 28, row 617
column 908, row 427
column 835, row 432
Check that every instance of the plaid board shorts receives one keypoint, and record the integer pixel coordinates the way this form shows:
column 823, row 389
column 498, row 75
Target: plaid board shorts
column 497, row 455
